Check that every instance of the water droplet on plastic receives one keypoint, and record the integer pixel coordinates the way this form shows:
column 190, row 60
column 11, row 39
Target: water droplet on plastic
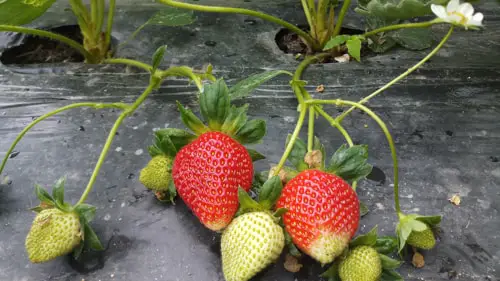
column 250, row 22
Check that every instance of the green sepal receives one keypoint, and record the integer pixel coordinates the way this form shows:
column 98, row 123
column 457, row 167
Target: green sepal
column 280, row 212
column 44, row 196
column 317, row 145
column 386, row 244
column 170, row 194
column 270, row 192
column 255, row 155
column 191, row 121
column 336, row 41
column 407, row 224
column 252, row 132
column 215, row 104
column 158, row 58
column 58, row 191
column 169, row 141
column 390, row 275
column 77, row 252
column 389, row 263
column 332, row 273
column 292, row 249
column 235, row 120
column 247, row 204
column 368, row 239
column 86, row 212
column 363, row 209
column 431, row 221
column 90, row 238
column 350, row 163
column 297, row 154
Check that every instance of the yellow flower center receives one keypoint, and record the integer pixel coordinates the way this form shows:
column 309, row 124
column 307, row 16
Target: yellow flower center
column 463, row 18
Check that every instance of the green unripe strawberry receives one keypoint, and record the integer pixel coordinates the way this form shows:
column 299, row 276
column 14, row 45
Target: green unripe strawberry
column 361, row 264
column 53, row 233
column 157, row 173
column 249, row 244
column 422, row 239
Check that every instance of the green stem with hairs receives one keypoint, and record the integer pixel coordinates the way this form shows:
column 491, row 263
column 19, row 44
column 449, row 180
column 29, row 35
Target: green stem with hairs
column 130, row 109
column 52, row 113
column 310, row 129
column 109, row 24
column 42, row 33
column 264, row 16
column 130, row 62
column 307, row 13
column 403, row 25
column 343, row 12
column 403, row 75
column 383, row 126
column 339, row 127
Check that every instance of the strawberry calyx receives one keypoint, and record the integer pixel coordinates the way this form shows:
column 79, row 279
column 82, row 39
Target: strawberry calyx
column 412, row 226
column 85, row 212
column 268, row 194
column 384, row 246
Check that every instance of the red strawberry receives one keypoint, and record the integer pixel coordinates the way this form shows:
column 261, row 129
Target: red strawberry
column 323, row 213
column 207, row 173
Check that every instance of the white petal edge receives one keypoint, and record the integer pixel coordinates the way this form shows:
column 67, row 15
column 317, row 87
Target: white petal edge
column 452, row 6
column 439, row 11
column 478, row 17
column 466, row 9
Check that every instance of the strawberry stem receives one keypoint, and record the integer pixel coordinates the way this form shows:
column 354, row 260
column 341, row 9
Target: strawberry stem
column 52, row 113
column 310, row 131
column 383, row 126
column 343, row 12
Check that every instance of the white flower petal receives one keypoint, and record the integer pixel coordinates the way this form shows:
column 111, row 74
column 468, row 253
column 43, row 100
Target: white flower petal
column 439, row 11
column 474, row 23
column 452, row 6
column 466, row 9
column 454, row 18
column 478, row 17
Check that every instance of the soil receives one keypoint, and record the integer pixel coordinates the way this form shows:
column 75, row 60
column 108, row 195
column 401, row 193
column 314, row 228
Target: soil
column 35, row 49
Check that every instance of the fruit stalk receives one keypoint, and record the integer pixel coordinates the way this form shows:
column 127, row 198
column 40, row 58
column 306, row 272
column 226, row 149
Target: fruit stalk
column 343, row 11
column 109, row 25
column 310, row 133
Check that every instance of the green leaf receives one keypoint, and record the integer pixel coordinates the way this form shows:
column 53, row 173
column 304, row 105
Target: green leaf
column 380, row 42
column 247, row 204
column 413, row 38
column 158, row 57
column 86, row 212
column 215, row 104
column 91, row 240
column 354, row 48
column 429, row 220
column 363, row 209
column 368, row 239
column 391, row 275
column 398, row 9
column 252, row 132
column 297, row 154
column 336, row 41
column 21, row 12
column 386, row 244
column 255, row 155
column 244, row 87
column 58, row 191
column 191, row 121
column 171, row 16
column 43, row 195
column 317, row 145
column 389, row 263
column 270, row 192
column 350, row 163
column 235, row 120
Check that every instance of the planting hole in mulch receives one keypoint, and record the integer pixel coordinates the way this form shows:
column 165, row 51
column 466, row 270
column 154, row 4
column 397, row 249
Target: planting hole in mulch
column 35, row 49
column 290, row 43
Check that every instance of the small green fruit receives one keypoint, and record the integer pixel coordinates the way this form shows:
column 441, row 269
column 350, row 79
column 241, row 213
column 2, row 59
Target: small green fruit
column 249, row 244
column 362, row 264
column 157, row 173
column 53, row 233
column 423, row 239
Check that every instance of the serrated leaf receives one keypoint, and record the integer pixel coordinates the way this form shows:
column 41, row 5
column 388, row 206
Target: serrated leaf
column 91, row 240
column 255, row 155
column 363, row 209
column 413, row 38
column 270, row 192
column 171, row 16
column 158, row 57
column 386, row 244
column 354, row 48
column 191, row 121
column 43, row 195
column 297, row 154
column 336, row 41
column 21, row 12
column 252, row 132
column 350, row 163
column 215, row 104
column 429, row 220
column 244, row 87
column 368, row 239
column 398, row 9
column 380, row 42
column 390, row 275
column 235, row 120
column 389, row 263
column 86, row 212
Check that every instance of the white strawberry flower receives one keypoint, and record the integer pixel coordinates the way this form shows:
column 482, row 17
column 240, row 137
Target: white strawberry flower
column 459, row 14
